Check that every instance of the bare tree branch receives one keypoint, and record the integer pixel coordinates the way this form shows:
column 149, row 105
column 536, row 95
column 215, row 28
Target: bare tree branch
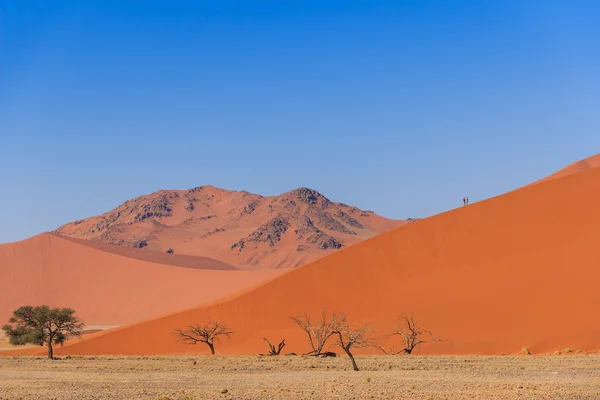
column 207, row 332
column 411, row 334
column 318, row 333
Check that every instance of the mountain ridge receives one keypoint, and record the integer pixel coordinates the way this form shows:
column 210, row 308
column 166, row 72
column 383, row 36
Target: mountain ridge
column 239, row 228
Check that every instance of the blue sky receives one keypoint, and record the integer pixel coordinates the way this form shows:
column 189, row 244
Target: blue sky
column 401, row 107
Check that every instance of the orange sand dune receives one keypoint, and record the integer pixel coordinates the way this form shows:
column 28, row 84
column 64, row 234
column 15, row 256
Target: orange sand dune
column 574, row 168
column 109, row 289
column 519, row 270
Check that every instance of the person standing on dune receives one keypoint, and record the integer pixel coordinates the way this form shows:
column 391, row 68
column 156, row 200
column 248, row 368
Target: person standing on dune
column 467, row 200
column 464, row 201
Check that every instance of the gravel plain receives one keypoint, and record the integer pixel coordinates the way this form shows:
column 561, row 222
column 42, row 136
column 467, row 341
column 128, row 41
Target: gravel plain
column 301, row 377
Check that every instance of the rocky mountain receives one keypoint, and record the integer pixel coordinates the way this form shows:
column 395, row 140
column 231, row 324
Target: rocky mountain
column 239, row 228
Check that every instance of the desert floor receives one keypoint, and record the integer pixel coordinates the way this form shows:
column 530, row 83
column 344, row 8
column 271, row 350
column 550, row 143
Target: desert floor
column 302, row 377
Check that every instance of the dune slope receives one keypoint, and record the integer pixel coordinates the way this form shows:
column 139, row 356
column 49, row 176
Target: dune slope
column 109, row 289
column 574, row 168
column 519, row 270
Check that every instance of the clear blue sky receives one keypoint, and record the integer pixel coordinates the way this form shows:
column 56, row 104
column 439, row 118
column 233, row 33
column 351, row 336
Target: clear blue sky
column 401, row 107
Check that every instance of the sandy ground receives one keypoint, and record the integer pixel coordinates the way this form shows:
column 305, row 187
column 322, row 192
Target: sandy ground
column 302, row 377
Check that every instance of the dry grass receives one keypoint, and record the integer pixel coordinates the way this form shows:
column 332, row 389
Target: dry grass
column 296, row 377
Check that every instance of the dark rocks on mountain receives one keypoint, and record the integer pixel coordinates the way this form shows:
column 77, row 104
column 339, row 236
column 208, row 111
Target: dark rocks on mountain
column 159, row 206
column 136, row 243
column 305, row 227
column 139, row 244
column 310, row 196
column 239, row 244
column 269, row 232
column 301, row 247
column 216, row 230
column 107, row 222
column 191, row 199
column 345, row 218
column 249, row 208
column 327, row 221
column 313, row 235
column 325, row 241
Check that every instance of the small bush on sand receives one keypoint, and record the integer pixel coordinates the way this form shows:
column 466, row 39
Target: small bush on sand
column 224, row 391
column 272, row 350
column 412, row 336
column 526, row 351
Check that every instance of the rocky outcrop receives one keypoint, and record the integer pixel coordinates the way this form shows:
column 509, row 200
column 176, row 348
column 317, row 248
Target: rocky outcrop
column 348, row 220
column 269, row 233
column 210, row 233
column 310, row 196
column 249, row 208
column 327, row 221
column 313, row 235
column 159, row 206
column 191, row 199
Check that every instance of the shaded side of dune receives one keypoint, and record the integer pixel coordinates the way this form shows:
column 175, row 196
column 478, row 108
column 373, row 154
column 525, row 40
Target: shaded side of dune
column 178, row 260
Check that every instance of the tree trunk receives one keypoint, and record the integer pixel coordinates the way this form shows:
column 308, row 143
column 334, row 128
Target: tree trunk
column 212, row 348
column 50, row 350
column 354, row 366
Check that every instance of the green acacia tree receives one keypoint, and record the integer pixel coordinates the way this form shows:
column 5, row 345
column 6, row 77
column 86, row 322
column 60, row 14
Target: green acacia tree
column 43, row 325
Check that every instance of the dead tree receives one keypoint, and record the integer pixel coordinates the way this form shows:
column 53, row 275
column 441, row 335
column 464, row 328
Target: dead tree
column 207, row 332
column 318, row 332
column 412, row 335
column 272, row 350
column 348, row 338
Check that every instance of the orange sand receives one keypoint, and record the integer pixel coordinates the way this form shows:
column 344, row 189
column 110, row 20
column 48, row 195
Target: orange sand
column 108, row 289
column 574, row 168
column 519, row 270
